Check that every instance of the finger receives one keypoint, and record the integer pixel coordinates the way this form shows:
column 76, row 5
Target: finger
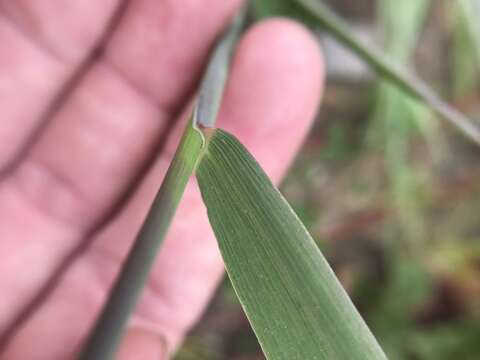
column 271, row 99
column 91, row 151
column 43, row 43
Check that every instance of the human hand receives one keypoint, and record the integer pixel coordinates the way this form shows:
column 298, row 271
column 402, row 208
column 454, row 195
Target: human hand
column 86, row 139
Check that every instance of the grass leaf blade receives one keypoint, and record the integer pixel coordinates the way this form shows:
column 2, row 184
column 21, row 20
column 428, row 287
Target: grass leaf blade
column 296, row 306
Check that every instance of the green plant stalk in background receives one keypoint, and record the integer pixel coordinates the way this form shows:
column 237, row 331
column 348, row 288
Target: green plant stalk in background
column 387, row 69
column 316, row 13
column 468, row 12
column 293, row 300
column 466, row 34
column 398, row 119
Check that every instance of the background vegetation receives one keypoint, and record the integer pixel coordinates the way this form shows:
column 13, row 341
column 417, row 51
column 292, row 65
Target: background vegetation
column 389, row 192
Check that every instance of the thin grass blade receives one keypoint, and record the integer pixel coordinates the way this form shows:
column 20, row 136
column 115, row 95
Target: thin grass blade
column 293, row 300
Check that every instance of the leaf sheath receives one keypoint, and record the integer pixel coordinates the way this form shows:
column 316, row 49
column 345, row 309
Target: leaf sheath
column 107, row 333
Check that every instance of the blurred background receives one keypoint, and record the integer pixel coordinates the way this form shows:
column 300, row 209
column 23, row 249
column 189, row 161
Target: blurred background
column 389, row 192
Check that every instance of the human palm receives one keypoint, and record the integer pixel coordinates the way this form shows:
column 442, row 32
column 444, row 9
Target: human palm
column 93, row 96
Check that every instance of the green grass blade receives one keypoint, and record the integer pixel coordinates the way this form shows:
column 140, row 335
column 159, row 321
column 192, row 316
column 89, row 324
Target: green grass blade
column 295, row 304
column 107, row 333
column 373, row 56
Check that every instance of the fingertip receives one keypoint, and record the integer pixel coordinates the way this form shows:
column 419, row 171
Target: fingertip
column 291, row 55
column 274, row 91
column 288, row 39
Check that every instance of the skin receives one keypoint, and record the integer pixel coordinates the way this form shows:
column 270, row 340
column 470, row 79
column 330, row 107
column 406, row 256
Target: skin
column 66, row 164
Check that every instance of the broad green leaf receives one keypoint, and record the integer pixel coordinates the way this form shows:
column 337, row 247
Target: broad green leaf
column 296, row 305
